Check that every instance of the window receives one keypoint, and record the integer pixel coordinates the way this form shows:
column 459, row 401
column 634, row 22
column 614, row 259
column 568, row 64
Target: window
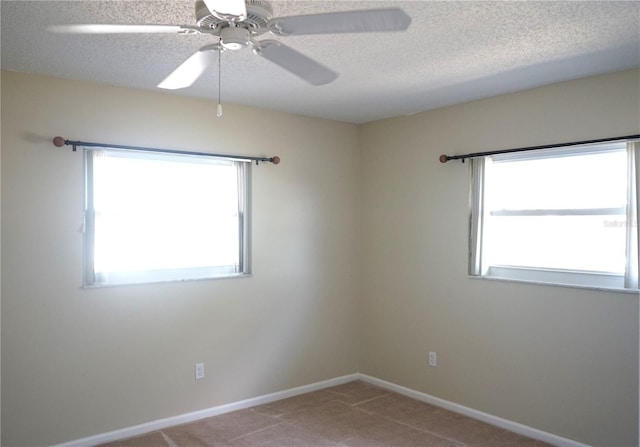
column 565, row 215
column 154, row 216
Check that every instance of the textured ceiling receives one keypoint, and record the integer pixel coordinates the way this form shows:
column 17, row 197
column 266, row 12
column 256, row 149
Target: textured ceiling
column 454, row 51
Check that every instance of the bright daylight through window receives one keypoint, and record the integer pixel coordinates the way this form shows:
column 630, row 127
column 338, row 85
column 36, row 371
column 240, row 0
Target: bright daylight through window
column 564, row 216
column 164, row 217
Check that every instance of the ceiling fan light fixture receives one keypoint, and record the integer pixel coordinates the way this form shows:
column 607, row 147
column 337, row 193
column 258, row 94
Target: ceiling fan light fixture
column 234, row 38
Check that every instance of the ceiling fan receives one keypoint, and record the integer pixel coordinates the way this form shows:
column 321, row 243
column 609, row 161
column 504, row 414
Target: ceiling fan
column 236, row 23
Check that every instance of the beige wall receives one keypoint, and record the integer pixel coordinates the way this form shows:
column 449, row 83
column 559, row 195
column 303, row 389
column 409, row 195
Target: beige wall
column 360, row 230
column 79, row 362
column 562, row 360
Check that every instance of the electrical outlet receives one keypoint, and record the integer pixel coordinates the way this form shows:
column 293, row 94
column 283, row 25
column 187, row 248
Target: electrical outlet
column 433, row 359
column 199, row 371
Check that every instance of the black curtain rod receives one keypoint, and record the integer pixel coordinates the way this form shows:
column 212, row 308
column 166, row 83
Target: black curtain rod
column 446, row 158
column 60, row 141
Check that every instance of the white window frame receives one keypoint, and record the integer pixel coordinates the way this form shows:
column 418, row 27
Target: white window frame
column 597, row 280
column 92, row 278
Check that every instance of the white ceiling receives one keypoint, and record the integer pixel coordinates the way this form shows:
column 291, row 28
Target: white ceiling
column 454, row 51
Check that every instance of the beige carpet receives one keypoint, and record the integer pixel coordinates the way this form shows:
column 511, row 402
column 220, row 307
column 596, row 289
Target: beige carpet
column 352, row 415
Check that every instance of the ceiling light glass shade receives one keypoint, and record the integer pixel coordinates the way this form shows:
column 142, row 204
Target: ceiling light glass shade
column 234, row 38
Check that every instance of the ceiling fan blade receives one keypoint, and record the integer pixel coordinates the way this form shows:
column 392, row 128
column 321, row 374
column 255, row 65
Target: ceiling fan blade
column 190, row 70
column 295, row 62
column 368, row 20
column 120, row 29
column 227, row 9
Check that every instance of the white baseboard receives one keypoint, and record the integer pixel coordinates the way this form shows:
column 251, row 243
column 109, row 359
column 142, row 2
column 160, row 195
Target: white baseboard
column 267, row 398
column 159, row 424
column 475, row 414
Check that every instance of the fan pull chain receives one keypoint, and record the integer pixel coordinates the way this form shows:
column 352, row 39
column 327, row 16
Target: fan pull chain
column 219, row 113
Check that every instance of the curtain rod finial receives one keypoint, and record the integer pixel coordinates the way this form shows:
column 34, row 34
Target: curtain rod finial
column 275, row 160
column 58, row 141
column 444, row 158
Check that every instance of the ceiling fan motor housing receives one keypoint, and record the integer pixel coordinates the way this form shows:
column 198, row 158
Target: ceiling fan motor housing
column 259, row 13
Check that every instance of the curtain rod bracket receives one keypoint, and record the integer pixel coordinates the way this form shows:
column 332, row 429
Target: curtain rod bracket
column 59, row 142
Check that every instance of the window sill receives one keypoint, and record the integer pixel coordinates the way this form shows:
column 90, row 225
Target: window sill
column 169, row 281
column 555, row 284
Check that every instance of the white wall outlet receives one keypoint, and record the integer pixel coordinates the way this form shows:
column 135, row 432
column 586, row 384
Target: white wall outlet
column 199, row 371
column 433, row 359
